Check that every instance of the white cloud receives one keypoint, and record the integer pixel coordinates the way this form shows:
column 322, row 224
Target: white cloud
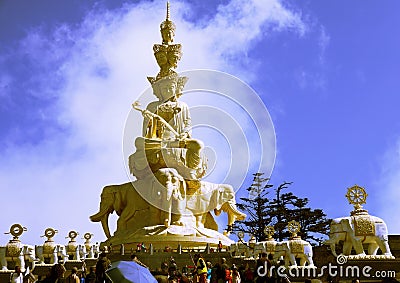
column 92, row 73
column 387, row 204
column 323, row 42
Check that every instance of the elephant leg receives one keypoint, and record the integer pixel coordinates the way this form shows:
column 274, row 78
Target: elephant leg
column 178, row 211
column 199, row 221
column 292, row 259
column 54, row 258
column 20, row 261
column 384, row 246
column 310, row 260
column 347, row 246
column 373, row 248
column 3, row 261
column 303, row 261
column 357, row 245
column 287, row 260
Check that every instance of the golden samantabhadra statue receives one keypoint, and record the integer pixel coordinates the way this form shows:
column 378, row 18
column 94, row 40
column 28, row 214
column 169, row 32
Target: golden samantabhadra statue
column 168, row 201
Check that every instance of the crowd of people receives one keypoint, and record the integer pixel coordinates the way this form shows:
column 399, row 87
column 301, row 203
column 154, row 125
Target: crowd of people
column 204, row 271
column 198, row 270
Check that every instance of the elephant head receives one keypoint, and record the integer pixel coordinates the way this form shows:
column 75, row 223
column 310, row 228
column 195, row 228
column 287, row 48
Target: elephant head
column 62, row 253
column 173, row 182
column 29, row 253
column 337, row 233
column 170, row 189
column 227, row 203
column 217, row 197
column 109, row 203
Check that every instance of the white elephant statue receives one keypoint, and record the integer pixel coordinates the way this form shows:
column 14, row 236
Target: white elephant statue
column 293, row 249
column 18, row 253
column 267, row 247
column 50, row 254
column 62, row 254
column 239, row 249
column 356, row 231
column 76, row 251
column 93, row 250
column 29, row 255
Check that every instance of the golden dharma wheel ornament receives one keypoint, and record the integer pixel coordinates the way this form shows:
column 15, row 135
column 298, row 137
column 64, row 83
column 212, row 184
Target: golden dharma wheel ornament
column 72, row 235
column 16, row 230
column 87, row 236
column 293, row 227
column 269, row 231
column 50, row 232
column 356, row 196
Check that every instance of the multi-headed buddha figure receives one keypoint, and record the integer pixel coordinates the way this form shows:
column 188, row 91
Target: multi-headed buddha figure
column 166, row 140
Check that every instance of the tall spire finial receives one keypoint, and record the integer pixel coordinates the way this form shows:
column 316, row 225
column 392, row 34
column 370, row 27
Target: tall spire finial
column 167, row 11
column 167, row 28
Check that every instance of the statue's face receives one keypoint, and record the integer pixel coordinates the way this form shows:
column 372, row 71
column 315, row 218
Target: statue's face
column 161, row 58
column 173, row 59
column 167, row 89
column 167, row 35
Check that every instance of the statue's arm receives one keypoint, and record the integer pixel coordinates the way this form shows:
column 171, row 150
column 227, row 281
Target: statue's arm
column 147, row 119
column 187, row 121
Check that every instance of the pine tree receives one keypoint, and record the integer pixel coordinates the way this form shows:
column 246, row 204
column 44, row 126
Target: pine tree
column 256, row 207
column 278, row 211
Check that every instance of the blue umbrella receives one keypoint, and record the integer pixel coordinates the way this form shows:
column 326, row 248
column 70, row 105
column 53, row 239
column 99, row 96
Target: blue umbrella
column 129, row 272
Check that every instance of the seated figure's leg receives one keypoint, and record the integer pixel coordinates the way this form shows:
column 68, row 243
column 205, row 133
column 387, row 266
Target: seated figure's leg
column 146, row 158
column 193, row 158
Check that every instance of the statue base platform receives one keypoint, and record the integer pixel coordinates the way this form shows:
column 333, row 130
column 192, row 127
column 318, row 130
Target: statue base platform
column 161, row 237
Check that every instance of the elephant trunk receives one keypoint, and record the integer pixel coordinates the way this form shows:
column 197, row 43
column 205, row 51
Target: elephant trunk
column 233, row 213
column 102, row 216
column 99, row 215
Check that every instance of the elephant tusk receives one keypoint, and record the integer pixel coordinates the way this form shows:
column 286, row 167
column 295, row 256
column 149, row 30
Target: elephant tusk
column 104, row 224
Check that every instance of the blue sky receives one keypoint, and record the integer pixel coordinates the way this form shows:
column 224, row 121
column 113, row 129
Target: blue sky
column 327, row 71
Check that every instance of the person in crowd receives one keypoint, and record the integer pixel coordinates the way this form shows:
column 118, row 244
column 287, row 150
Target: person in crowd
column 73, row 277
column 219, row 246
column 91, row 277
column 224, row 272
column 248, row 275
column 201, row 268
column 235, row 274
column 263, row 268
column 272, row 273
column 103, row 263
column 209, row 270
column 16, row 276
column 143, row 247
column 138, row 247
column 162, row 273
